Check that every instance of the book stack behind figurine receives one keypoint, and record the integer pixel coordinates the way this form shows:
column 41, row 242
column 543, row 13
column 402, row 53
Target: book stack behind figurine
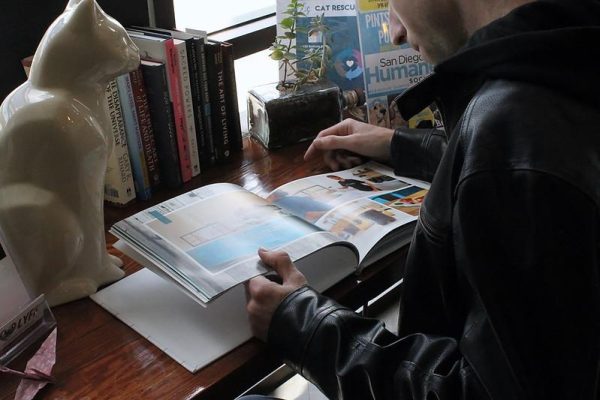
column 203, row 244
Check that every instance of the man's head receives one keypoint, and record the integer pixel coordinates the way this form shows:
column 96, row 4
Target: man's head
column 438, row 28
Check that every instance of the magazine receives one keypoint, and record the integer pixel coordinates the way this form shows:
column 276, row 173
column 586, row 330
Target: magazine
column 388, row 69
column 206, row 241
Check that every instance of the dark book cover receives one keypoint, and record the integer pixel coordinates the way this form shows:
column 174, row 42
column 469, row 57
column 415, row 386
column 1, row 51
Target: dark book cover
column 200, row 43
column 231, row 98
column 163, row 122
column 146, row 130
column 216, row 85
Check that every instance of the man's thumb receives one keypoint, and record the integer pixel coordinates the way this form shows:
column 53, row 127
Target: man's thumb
column 279, row 261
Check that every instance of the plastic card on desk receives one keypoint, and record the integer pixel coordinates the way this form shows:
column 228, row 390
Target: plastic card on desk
column 24, row 329
column 13, row 295
column 23, row 320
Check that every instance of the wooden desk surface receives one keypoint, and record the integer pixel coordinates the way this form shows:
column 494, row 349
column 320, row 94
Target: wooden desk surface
column 99, row 357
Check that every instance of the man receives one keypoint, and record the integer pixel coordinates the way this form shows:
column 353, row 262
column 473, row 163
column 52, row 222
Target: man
column 501, row 297
column 346, row 183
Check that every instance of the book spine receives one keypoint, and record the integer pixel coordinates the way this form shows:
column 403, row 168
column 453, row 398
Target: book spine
column 180, row 124
column 188, row 107
column 134, row 140
column 216, row 80
column 118, row 184
column 195, row 79
column 231, row 99
column 205, row 99
column 146, row 130
column 161, row 113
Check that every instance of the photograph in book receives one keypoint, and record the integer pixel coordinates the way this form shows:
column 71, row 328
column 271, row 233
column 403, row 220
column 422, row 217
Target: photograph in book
column 206, row 240
column 360, row 205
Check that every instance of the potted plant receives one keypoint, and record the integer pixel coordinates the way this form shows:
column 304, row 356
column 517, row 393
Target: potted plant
column 303, row 102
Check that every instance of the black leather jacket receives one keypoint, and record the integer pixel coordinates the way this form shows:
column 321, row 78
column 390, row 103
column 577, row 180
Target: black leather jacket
column 502, row 287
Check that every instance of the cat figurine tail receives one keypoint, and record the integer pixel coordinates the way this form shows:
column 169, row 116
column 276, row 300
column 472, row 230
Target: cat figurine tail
column 55, row 139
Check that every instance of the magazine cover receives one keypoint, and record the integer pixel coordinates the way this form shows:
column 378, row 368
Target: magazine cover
column 345, row 62
column 388, row 69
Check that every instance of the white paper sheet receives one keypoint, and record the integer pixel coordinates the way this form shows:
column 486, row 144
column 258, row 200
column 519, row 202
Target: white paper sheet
column 190, row 334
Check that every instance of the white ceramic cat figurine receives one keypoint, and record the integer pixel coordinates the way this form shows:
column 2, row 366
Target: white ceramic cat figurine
column 55, row 140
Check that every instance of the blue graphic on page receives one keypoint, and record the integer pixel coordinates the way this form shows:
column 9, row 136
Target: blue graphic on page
column 398, row 194
column 223, row 252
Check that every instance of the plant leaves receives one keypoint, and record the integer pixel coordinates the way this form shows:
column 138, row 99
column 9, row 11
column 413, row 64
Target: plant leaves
column 288, row 22
column 276, row 55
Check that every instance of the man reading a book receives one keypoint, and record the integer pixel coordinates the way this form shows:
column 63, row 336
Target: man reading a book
column 501, row 296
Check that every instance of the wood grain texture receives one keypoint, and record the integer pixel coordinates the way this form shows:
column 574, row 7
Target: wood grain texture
column 99, row 357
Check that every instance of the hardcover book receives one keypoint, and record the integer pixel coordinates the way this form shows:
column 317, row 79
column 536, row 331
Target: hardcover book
column 203, row 244
column 216, row 85
column 142, row 112
column 141, row 178
column 200, row 38
column 119, row 188
column 163, row 123
column 205, row 240
column 231, row 98
column 188, row 105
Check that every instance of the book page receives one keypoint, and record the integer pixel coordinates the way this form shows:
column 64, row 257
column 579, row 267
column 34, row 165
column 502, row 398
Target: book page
column 360, row 205
column 207, row 239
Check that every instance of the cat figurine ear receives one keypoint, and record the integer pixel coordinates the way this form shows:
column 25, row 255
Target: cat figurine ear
column 54, row 144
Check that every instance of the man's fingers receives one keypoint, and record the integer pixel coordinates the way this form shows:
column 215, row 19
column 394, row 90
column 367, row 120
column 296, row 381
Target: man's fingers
column 279, row 261
column 336, row 143
column 344, row 128
column 256, row 284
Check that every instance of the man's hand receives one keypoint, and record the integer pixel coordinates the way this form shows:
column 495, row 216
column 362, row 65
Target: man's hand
column 343, row 144
column 264, row 295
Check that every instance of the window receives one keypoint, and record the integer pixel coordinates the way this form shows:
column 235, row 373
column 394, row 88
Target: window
column 212, row 16
column 249, row 25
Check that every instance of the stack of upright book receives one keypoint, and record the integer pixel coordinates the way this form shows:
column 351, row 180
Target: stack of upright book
column 174, row 116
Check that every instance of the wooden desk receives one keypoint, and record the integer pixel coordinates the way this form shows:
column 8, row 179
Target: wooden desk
column 99, row 357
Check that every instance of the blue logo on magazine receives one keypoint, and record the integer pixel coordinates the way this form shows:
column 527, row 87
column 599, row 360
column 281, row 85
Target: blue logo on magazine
column 348, row 64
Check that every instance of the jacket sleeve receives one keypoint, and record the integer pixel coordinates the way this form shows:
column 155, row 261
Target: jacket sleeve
column 416, row 153
column 351, row 357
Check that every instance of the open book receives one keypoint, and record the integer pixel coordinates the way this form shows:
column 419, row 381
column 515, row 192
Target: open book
column 205, row 243
column 206, row 240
